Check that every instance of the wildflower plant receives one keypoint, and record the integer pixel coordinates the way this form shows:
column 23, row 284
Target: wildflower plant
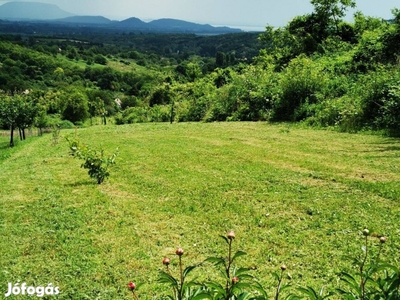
column 375, row 279
column 182, row 288
column 236, row 280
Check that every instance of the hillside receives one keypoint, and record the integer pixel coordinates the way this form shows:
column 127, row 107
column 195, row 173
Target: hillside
column 94, row 20
column 31, row 11
column 184, row 26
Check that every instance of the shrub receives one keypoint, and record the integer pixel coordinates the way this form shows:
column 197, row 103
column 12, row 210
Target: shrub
column 300, row 83
column 342, row 113
column 389, row 112
column 380, row 97
column 75, row 106
column 65, row 124
column 96, row 161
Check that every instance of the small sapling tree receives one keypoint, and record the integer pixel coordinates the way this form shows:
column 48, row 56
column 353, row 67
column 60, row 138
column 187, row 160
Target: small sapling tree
column 96, row 161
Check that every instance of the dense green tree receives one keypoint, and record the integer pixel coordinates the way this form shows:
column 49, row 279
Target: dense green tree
column 74, row 105
column 161, row 95
column 100, row 59
column 220, row 59
column 10, row 112
column 27, row 112
column 331, row 12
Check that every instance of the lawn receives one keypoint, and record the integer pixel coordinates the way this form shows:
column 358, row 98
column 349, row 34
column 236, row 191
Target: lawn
column 292, row 195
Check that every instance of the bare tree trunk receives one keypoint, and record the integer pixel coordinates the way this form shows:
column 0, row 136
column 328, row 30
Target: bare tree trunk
column 20, row 133
column 12, row 136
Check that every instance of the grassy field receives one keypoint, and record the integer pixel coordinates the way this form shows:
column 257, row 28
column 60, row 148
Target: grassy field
column 292, row 195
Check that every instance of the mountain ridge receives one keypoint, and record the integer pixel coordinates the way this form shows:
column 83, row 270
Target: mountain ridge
column 51, row 13
column 31, row 11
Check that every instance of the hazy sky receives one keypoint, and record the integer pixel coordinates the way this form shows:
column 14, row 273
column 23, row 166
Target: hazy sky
column 215, row 12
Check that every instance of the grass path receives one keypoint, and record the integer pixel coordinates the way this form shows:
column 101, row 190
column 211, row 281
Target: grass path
column 292, row 195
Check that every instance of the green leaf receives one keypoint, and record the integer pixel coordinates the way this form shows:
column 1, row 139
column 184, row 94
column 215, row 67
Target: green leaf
column 215, row 260
column 309, row 291
column 240, row 271
column 276, row 276
column 188, row 270
column 238, row 254
column 259, row 288
column 203, row 295
column 167, row 279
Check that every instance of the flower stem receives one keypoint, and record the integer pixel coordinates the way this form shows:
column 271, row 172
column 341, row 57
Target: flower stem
column 363, row 280
column 180, row 296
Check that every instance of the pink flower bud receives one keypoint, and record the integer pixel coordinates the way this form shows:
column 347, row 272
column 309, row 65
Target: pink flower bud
column 132, row 286
column 179, row 251
column 166, row 261
column 235, row 280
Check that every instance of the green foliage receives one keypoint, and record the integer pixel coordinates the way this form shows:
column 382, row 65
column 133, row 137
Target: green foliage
column 74, row 106
column 236, row 280
column 301, row 82
column 343, row 113
column 17, row 111
column 389, row 113
column 100, row 59
column 237, row 284
column 380, row 99
column 375, row 279
column 182, row 288
column 96, row 161
column 161, row 95
column 318, row 68
column 143, row 114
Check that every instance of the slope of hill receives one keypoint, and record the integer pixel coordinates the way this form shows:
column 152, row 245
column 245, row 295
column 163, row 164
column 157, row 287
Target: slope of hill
column 31, row 11
column 179, row 25
column 98, row 20
column 132, row 23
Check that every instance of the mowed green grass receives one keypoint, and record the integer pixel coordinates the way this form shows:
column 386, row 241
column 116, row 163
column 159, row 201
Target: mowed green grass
column 292, row 195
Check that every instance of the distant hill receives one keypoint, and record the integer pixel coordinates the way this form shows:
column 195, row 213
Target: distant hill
column 99, row 20
column 31, row 11
column 132, row 23
column 172, row 25
column 35, row 11
column 179, row 25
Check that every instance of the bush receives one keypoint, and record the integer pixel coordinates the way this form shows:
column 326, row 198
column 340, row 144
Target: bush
column 380, row 97
column 96, row 161
column 75, row 106
column 142, row 114
column 65, row 124
column 300, row 83
column 389, row 112
column 342, row 113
